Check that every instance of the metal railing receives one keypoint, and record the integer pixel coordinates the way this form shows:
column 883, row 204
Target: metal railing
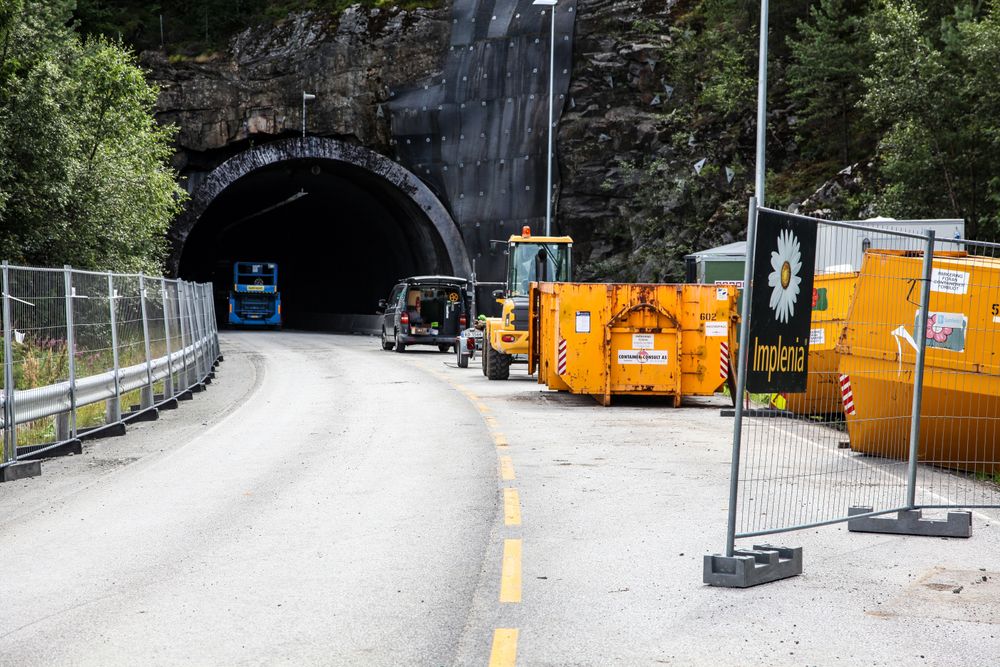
column 86, row 351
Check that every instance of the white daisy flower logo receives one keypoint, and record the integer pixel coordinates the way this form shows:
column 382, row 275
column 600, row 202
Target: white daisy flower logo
column 784, row 279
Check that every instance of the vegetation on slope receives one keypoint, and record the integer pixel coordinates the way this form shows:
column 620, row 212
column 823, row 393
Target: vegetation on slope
column 84, row 176
column 906, row 91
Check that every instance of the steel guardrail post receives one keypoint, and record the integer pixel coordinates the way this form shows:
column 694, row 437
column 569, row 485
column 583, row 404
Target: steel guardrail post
column 741, row 378
column 70, row 346
column 918, row 372
column 10, row 428
column 168, row 383
column 147, row 395
column 116, row 406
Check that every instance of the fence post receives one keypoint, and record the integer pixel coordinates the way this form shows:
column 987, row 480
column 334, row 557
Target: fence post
column 70, row 346
column 201, row 351
column 147, row 394
column 116, row 406
column 918, row 371
column 10, row 428
column 168, row 383
column 183, row 375
column 193, row 328
column 740, row 569
column 741, row 379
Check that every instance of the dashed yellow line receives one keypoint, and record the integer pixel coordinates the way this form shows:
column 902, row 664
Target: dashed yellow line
column 511, row 508
column 506, row 468
column 504, row 651
column 490, row 421
column 510, row 573
column 481, row 406
column 500, row 439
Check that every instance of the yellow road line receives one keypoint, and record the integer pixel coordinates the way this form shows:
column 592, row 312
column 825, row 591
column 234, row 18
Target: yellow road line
column 510, row 572
column 506, row 468
column 511, row 507
column 500, row 439
column 482, row 406
column 504, row 651
column 490, row 421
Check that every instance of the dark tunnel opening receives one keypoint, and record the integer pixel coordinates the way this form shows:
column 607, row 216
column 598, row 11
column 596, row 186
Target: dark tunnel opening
column 340, row 234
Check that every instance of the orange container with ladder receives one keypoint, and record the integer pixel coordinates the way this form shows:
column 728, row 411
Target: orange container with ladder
column 632, row 339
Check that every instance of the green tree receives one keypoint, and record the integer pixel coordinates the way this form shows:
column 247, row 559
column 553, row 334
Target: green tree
column 829, row 57
column 84, row 176
column 933, row 85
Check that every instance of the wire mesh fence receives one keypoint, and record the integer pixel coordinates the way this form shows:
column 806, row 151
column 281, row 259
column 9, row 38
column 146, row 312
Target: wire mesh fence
column 900, row 407
column 84, row 351
column 886, row 390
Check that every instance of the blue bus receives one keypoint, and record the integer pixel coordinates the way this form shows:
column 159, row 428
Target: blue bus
column 255, row 300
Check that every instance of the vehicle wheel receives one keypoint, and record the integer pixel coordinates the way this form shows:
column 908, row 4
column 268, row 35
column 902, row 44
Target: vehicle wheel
column 399, row 344
column 386, row 343
column 444, row 347
column 461, row 359
column 498, row 363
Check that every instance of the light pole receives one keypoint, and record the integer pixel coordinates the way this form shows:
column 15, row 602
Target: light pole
column 306, row 97
column 551, row 4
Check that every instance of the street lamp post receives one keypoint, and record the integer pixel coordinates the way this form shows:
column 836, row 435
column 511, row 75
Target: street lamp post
column 306, row 97
column 551, row 4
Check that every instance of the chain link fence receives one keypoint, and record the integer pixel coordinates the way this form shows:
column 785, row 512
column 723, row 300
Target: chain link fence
column 85, row 352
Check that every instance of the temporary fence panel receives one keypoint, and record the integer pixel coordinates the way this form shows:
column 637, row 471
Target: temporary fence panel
column 908, row 345
column 960, row 416
column 85, row 350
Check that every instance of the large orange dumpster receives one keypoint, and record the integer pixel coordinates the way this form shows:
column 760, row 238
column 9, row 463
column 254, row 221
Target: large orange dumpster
column 960, row 418
column 635, row 339
column 831, row 299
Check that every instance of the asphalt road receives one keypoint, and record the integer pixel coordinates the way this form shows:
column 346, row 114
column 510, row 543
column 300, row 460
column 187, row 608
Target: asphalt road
column 329, row 503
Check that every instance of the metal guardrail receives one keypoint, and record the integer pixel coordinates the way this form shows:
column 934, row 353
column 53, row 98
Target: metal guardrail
column 85, row 351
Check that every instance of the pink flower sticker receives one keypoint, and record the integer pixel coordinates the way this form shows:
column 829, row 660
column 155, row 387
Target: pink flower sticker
column 935, row 332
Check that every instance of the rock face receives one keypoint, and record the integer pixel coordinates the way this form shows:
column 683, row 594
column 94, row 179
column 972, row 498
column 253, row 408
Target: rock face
column 255, row 91
column 636, row 189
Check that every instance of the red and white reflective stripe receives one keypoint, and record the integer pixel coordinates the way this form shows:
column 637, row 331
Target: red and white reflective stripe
column 724, row 360
column 848, row 395
column 561, row 361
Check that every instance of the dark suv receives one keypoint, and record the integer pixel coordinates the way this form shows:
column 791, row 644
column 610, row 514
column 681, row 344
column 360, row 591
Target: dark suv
column 425, row 310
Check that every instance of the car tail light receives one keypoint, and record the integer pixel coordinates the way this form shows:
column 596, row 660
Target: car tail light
column 507, row 338
column 462, row 321
column 470, row 343
column 404, row 318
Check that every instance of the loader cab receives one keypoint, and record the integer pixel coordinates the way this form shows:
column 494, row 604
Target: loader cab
column 537, row 259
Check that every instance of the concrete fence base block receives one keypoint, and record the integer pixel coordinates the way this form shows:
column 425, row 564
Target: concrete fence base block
column 168, row 405
column 200, row 386
column 116, row 430
column 147, row 415
column 70, row 447
column 186, row 395
column 751, row 567
column 911, row 522
column 20, row 470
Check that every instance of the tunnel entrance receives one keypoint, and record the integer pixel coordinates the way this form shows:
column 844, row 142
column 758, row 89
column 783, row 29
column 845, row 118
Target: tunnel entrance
column 342, row 223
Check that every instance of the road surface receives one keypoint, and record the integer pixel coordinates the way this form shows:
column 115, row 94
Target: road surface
column 328, row 503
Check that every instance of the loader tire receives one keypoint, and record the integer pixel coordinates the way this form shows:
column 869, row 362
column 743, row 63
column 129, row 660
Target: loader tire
column 498, row 363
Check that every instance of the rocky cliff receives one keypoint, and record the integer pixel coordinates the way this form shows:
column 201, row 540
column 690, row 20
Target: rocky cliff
column 640, row 186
